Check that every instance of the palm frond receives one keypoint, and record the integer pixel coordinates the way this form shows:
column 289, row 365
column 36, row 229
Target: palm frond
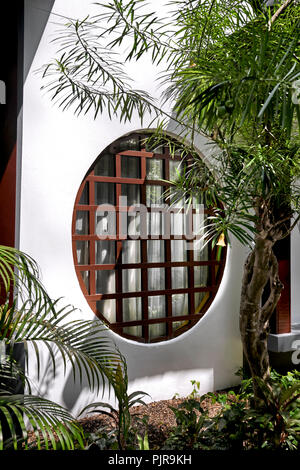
column 53, row 426
column 81, row 343
column 19, row 271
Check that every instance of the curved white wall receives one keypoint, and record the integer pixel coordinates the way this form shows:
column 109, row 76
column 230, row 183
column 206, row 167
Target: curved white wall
column 58, row 149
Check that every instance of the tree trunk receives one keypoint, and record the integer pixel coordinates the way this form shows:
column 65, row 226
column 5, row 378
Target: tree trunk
column 261, row 266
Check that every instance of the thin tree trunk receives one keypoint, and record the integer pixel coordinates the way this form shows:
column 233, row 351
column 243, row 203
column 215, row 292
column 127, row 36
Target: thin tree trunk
column 261, row 266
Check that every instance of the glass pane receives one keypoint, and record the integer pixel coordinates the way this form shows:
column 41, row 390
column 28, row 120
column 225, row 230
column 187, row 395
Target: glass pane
column 176, row 198
column 84, row 198
column 198, row 221
column 82, row 223
column 132, row 310
column 133, row 331
column 200, row 253
column 176, row 169
column 200, row 276
column 131, row 280
column 82, row 251
column 154, row 195
column 157, row 330
column 105, row 252
column 107, row 308
column 179, row 278
column 180, row 306
column 156, row 306
column 154, row 169
column 105, row 223
column 154, row 223
column 155, row 251
column 105, row 166
column 156, row 278
column 200, row 300
column 132, row 192
column 104, row 193
column 130, row 167
column 133, row 224
column 178, row 250
column 131, row 252
column 105, row 282
column 132, row 143
column 86, row 279
column 177, row 223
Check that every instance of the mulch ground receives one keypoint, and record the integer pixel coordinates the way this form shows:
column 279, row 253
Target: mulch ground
column 161, row 418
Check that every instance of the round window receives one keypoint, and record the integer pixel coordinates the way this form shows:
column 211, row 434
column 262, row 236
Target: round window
column 139, row 259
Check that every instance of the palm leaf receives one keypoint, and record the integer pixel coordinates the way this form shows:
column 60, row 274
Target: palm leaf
column 50, row 422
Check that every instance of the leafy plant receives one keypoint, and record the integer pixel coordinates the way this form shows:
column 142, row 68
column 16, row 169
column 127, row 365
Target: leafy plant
column 191, row 418
column 34, row 319
column 274, row 425
column 126, row 432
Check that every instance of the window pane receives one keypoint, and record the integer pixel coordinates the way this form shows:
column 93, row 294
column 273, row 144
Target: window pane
column 107, row 308
column 178, row 250
column 156, row 278
column 104, row 193
column 130, row 167
column 200, row 276
column 180, row 306
column 84, row 198
column 176, row 198
column 156, row 306
column 132, row 192
column 178, row 223
column 82, row 223
column 198, row 221
column 131, row 251
column 132, row 143
column 155, row 251
column 133, row 224
column 132, row 310
column 200, row 253
column 154, row 169
column 154, row 195
column 105, row 166
column 86, row 279
column 200, row 300
column 154, row 223
column 105, row 252
column 105, row 282
column 176, row 169
column 131, row 280
column 82, row 251
column 179, row 278
column 105, row 223
column 157, row 330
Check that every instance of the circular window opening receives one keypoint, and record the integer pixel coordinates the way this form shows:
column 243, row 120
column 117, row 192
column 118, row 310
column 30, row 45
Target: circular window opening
column 138, row 258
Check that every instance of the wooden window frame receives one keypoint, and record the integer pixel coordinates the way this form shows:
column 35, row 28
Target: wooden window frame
column 216, row 267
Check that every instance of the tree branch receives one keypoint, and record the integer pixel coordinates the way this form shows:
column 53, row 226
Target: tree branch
column 279, row 11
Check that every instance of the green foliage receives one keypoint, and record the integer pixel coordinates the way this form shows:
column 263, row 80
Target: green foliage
column 190, row 420
column 35, row 320
column 231, row 69
column 274, row 424
column 125, row 426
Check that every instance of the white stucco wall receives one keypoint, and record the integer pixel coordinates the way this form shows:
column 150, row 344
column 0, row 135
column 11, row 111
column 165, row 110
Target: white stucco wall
column 58, row 149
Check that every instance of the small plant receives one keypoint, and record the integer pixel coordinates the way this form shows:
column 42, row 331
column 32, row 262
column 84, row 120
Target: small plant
column 196, row 389
column 143, row 442
column 190, row 420
column 125, row 427
column 274, row 425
